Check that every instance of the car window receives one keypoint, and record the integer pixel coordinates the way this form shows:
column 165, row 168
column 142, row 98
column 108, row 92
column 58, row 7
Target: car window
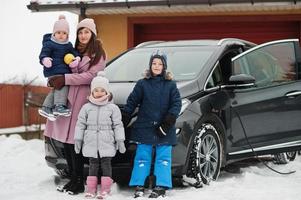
column 216, row 77
column 270, row 65
column 222, row 70
column 185, row 63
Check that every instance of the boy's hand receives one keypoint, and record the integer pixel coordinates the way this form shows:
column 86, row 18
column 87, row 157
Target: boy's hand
column 167, row 123
column 47, row 62
column 126, row 118
column 162, row 130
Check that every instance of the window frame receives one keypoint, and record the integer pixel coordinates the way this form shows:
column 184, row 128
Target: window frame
column 244, row 61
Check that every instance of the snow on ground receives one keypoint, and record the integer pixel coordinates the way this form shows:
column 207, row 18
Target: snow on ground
column 24, row 175
column 19, row 129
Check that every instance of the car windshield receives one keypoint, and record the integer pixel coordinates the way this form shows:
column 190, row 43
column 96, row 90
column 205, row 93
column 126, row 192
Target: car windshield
column 185, row 63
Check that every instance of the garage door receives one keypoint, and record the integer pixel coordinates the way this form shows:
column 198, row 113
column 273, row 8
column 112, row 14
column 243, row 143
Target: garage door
column 256, row 31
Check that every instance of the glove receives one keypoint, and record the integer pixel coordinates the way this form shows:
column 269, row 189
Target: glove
column 56, row 81
column 47, row 62
column 167, row 123
column 77, row 146
column 120, row 146
column 126, row 118
column 162, row 130
column 75, row 62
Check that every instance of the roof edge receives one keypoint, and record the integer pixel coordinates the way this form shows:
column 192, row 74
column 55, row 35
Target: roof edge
column 80, row 6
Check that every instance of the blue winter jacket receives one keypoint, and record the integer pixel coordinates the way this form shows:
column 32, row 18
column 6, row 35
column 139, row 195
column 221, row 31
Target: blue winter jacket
column 156, row 97
column 57, row 52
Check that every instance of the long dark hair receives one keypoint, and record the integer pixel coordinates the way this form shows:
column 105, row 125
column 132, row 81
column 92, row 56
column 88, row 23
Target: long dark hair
column 93, row 49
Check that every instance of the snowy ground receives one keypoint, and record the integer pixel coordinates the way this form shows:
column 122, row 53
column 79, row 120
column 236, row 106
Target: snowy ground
column 25, row 175
column 20, row 129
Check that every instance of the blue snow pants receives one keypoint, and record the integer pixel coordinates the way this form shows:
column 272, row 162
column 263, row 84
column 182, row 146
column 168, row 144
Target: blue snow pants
column 143, row 161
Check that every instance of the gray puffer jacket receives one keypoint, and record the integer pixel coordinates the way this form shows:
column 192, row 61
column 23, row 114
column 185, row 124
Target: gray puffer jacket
column 99, row 127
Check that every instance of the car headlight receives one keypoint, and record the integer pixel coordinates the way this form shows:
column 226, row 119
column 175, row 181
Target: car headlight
column 185, row 104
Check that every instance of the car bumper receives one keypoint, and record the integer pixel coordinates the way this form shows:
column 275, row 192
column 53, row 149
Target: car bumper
column 121, row 163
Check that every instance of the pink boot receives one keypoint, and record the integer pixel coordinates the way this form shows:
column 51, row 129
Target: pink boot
column 91, row 187
column 105, row 188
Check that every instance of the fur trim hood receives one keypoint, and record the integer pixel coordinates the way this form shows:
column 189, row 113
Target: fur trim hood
column 147, row 75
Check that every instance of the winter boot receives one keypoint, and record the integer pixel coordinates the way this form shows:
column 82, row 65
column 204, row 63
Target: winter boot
column 91, row 187
column 139, row 191
column 47, row 112
column 64, row 188
column 157, row 192
column 77, row 187
column 105, row 187
column 61, row 110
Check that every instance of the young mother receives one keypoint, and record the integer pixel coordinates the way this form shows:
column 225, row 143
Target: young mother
column 93, row 60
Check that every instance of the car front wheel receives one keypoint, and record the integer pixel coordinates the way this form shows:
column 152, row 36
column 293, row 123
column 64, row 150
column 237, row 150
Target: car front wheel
column 205, row 156
column 284, row 158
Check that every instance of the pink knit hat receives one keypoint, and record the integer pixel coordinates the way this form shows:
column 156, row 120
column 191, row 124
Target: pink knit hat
column 61, row 25
column 87, row 23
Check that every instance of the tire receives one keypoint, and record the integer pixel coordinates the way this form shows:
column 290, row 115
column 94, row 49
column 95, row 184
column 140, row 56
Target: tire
column 291, row 155
column 205, row 155
column 284, row 158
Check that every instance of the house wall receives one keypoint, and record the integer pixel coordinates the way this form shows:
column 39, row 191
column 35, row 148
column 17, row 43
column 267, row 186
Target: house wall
column 118, row 33
column 112, row 30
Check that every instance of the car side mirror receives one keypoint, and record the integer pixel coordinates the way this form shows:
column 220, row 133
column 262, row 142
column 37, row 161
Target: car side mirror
column 241, row 80
column 235, row 81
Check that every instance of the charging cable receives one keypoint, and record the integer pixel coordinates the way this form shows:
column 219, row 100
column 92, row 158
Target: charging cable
column 255, row 154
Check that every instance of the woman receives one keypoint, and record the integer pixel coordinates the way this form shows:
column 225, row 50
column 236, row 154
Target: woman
column 93, row 60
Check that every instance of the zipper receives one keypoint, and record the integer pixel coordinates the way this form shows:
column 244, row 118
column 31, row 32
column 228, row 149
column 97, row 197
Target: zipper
column 97, row 131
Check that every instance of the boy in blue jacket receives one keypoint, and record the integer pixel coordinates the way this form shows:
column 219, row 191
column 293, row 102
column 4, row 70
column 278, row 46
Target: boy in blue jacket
column 55, row 47
column 159, row 104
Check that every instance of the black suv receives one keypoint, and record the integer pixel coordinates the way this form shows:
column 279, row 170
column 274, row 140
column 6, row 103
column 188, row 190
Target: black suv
column 238, row 100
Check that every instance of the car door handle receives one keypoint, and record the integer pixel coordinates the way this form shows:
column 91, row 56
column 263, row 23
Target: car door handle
column 293, row 94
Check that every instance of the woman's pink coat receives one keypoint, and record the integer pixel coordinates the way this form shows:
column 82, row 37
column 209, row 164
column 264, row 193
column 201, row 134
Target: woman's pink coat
column 79, row 88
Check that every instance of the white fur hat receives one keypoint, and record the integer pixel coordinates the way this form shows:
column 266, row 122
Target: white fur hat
column 100, row 81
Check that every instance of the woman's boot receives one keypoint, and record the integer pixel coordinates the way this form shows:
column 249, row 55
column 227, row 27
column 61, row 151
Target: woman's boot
column 67, row 186
column 77, row 187
column 78, row 169
column 68, row 150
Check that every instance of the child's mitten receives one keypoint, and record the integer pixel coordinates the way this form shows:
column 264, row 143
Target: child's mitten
column 47, row 62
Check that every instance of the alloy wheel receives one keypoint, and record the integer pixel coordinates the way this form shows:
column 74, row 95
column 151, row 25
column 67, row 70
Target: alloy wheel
column 205, row 156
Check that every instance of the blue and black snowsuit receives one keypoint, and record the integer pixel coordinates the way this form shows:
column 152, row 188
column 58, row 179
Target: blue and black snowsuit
column 56, row 51
column 156, row 98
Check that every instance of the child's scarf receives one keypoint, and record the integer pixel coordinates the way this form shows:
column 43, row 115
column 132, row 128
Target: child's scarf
column 99, row 101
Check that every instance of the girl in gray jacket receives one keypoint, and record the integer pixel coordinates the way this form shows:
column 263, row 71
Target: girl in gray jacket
column 99, row 133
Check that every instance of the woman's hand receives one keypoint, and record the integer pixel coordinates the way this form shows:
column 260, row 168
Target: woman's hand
column 75, row 62
column 57, row 81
